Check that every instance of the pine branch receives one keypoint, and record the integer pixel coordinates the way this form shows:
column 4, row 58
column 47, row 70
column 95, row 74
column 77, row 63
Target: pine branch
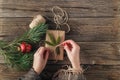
column 34, row 35
column 17, row 59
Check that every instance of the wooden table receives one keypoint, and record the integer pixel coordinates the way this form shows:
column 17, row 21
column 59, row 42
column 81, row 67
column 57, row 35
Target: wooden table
column 94, row 25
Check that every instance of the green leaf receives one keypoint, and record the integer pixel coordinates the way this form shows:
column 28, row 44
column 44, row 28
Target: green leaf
column 49, row 43
column 53, row 41
column 58, row 40
column 57, row 50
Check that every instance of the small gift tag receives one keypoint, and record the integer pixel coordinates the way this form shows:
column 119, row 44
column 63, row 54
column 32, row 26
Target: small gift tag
column 53, row 39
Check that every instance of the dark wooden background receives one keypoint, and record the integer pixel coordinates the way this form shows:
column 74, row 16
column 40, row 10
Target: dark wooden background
column 94, row 25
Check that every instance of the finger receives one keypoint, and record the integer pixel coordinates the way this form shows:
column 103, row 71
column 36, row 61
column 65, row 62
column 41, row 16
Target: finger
column 46, row 55
column 73, row 45
column 72, row 42
column 37, row 52
column 47, row 49
column 67, row 49
column 41, row 51
column 69, row 42
column 62, row 44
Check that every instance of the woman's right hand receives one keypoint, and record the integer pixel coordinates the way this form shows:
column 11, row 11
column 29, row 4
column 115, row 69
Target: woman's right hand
column 73, row 51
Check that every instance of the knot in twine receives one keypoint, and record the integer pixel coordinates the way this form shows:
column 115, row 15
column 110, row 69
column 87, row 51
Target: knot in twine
column 60, row 18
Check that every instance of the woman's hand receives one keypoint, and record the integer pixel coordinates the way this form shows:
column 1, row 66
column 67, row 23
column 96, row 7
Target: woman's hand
column 40, row 59
column 73, row 51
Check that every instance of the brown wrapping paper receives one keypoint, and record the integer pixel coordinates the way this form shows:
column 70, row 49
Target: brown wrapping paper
column 53, row 55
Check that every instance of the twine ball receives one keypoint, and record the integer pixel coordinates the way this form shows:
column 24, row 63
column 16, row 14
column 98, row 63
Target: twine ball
column 38, row 19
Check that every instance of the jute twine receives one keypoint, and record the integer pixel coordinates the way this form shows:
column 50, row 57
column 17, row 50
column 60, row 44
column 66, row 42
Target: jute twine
column 60, row 18
column 67, row 73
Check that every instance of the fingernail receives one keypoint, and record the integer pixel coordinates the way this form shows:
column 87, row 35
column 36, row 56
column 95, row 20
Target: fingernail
column 63, row 44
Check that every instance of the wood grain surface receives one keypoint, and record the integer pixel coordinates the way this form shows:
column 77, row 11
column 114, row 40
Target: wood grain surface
column 94, row 26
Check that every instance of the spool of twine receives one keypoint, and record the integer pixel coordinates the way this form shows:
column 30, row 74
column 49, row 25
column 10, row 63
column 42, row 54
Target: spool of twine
column 38, row 19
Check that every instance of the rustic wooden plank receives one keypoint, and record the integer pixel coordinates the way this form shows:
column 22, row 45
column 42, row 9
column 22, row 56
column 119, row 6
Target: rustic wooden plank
column 102, row 53
column 82, row 29
column 77, row 21
column 103, row 73
column 64, row 3
column 97, row 72
column 9, row 74
column 82, row 8
column 84, row 33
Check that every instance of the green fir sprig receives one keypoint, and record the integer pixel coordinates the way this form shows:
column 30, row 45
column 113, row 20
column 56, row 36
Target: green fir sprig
column 17, row 59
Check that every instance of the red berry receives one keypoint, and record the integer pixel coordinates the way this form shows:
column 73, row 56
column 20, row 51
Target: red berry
column 23, row 47
column 28, row 48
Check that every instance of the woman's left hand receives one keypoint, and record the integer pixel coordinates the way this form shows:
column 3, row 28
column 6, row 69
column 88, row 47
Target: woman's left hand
column 40, row 59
